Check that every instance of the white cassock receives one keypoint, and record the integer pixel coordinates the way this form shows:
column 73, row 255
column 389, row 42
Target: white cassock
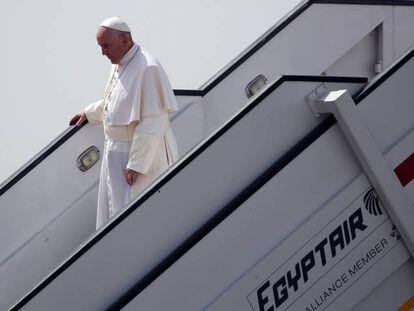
column 135, row 114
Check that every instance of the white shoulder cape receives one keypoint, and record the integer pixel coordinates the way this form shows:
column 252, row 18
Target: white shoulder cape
column 142, row 90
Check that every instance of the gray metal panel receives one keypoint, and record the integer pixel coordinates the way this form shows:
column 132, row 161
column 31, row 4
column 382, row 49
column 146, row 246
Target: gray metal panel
column 403, row 27
column 394, row 100
column 188, row 122
column 393, row 292
column 361, row 58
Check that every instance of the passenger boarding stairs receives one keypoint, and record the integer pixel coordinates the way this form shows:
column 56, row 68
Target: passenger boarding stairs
column 328, row 228
column 258, row 176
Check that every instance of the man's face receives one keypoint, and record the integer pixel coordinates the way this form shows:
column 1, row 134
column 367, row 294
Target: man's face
column 112, row 43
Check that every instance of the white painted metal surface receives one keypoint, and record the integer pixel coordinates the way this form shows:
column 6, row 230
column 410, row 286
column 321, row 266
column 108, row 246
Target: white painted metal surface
column 278, row 219
column 43, row 220
column 46, row 228
column 396, row 291
column 332, row 274
column 43, row 226
column 243, row 263
column 169, row 217
column 389, row 188
column 190, row 116
column 332, row 38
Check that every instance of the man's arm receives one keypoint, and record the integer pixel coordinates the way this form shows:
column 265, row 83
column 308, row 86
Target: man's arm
column 146, row 145
column 131, row 176
column 78, row 119
column 92, row 113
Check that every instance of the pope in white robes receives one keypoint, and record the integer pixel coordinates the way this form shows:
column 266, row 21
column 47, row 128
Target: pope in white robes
column 139, row 143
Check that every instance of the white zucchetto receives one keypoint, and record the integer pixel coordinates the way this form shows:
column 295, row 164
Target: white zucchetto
column 115, row 23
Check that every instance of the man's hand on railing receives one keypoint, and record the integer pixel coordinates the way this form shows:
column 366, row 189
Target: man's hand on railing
column 78, row 119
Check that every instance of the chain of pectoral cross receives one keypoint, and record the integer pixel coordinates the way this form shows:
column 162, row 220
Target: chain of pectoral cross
column 114, row 79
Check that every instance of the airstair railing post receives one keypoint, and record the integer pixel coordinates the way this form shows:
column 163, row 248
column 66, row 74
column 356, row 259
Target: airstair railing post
column 383, row 178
